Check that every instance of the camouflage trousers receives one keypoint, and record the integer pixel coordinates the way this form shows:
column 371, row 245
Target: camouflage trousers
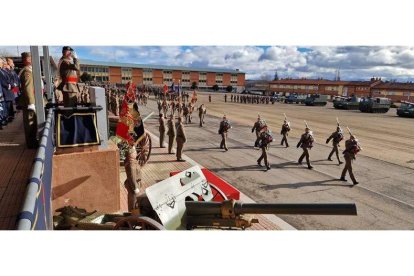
column 348, row 168
column 162, row 136
column 170, row 143
column 263, row 156
column 133, row 181
column 336, row 151
column 223, row 143
column 305, row 154
column 284, row 140
column 180, row 147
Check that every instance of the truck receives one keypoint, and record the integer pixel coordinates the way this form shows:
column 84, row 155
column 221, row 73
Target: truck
column 316, row 100
column 295, row 98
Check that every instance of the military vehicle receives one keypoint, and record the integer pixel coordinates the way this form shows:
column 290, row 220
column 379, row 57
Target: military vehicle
column 187, row 201
column 406, row 110
column 295, row 98
column 347, row 103
column 374, row 105
column 316, row 100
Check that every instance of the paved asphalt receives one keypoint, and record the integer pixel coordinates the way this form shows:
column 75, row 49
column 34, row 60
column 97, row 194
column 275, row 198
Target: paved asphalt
column 384, row 197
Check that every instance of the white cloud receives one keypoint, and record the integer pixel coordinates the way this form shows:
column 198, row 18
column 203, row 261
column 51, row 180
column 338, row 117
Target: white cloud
column 356, row 62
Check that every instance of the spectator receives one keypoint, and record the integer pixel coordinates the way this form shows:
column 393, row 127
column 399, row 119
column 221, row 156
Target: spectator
column 15, row 78
column 7, row 94
column 27, row 101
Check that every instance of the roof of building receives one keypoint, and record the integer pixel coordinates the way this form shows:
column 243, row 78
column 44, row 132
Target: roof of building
column 160, row 67
column 324, row 82
column 309, row 82
column 395, row 85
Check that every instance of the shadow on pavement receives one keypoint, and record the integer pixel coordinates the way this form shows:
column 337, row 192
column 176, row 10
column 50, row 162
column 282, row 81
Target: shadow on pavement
column 305, row 184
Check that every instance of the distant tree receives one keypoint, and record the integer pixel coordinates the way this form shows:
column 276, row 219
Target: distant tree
column 194, row 85
column 216, row 87
column 276, row 77
column 85, row 77
column 229, row 88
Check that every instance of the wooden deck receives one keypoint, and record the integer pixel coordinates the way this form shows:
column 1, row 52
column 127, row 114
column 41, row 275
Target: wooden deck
column 15, row 168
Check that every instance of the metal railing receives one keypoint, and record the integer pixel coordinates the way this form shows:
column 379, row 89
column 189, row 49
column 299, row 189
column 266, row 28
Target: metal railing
column 36, row 213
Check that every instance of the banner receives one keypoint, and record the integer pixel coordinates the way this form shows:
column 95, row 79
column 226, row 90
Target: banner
column 77, row 129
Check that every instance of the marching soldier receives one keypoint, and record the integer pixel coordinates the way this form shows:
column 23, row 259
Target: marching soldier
column 209, row 98
column 69, row 70
column 231, row 97
column 285, row 132
column 201, row 113
column 133, row 180
column 171, row 133
column 159, row 104
column 172, row 105
column 27, row 102
column 165, row 108
column 225, row 98
column 264, row 140
column 162, row 130
column 306, row 143
column 181, row 139
column 224, row 128
column 351, row 149
column 257, row 127
column 336, row 137
column 185, row 112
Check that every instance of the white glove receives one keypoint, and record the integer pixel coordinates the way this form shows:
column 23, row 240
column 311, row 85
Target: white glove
column 74, row 55
column 31, row 107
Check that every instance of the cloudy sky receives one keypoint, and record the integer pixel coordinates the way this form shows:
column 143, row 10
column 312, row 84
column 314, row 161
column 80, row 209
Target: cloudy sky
column 261, row 62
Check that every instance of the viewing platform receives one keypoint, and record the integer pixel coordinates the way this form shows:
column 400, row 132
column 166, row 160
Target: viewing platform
column 16, row 164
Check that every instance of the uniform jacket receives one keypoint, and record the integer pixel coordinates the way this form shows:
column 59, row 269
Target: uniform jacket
column 351, row 148
column 285, row 129
column 306, row 141
column 69, row 74
column 6, row 85
column 201, row 111
column 222, row 128
column 336, row 137
column 256, row 127
column 181, row 133
column 171, row 128
column 27, row 87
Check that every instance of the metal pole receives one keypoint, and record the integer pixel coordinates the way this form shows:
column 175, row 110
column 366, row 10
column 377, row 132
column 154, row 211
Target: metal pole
column 37, row 79
column 47, row 71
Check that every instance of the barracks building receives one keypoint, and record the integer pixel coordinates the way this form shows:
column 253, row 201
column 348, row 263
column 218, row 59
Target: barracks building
column 158, row 75
column 375, row 87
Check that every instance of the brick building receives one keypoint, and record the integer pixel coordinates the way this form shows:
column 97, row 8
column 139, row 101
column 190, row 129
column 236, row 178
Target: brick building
column 158, row 75
column 374, row 87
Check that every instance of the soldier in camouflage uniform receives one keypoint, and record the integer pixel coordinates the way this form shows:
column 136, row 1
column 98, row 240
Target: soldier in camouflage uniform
column 181, row 139
column 185, row 112
column 256, row 128
column 306, row 143
column 223, row 129
column 336, row 137
column 264, row 145
column 285, row 132
column 162, row 130
column 171, row 133
column 201, row 113
column 351, row 149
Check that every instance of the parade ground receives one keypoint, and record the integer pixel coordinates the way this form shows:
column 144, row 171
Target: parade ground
column 384, row 169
